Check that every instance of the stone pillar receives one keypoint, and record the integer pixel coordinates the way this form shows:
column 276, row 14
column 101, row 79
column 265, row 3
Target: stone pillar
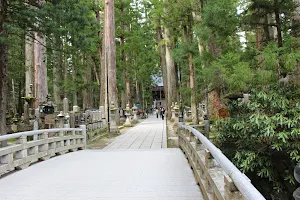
column 176, row 112
column 206, row 126
column 122, row 118
column 176, row 119
column 113, row 120
column 26, row 112
column 134, row 112
column 101, row 108
column 65, row 106
column 127, row 113
column 246, row 98
column 173, row 112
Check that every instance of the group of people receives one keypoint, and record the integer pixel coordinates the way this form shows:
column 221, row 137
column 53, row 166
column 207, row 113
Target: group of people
column 160, row 112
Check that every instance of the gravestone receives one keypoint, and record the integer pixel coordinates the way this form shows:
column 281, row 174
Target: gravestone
column 36, row 124
column 65, row 106
column 50, row 120
column 113, row 120
column 76, row 109
column 101, row 108
column 26, row 112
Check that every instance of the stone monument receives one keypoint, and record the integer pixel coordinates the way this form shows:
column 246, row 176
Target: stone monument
column 127, row 113
column 65, row 106
column 134, row 112
column 113, row 120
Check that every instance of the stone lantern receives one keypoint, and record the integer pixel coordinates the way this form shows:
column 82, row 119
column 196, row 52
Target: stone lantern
column 67, row 121
column 173, row 112
column 61, row 117
column 134, row 112
column 113, row 116
column 176, row 111
column 127, row 113
column 188, row 114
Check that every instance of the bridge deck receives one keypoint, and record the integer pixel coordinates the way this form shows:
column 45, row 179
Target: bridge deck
column 109, row 174
column 149, row 134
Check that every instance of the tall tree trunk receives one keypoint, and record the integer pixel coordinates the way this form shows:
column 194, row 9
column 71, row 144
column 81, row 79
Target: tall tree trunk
column 171, row 72
column 103, row 93
column 123, row 95
column 110, row 51
column 123, row 61
column 259, row 33
column 296, row 34
column 137, row 89
column 28, row 64
column 278, row 23
column 41, row 84
column 57, row 76
column 100, row 54
column 3, row 68
column 75, row 102
column 296, row 20
column 128, row 92
column 65, row 72
column 87, row 92
column 162, row 56
column 192, row 78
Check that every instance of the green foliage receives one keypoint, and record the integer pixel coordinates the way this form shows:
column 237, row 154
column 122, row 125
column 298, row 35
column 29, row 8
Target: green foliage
column 264, row 135
column 230, row 72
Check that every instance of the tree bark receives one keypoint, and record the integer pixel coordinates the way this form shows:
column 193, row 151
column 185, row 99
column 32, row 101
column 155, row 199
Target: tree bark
column 75, row 103
column 110, row 52
column 296, row 34
column 162, row 56
column 278, row 23
column 3, row 68
column 28, row 64
column 103, row 93
column 87, row 92
column 171, row 72
column 57, row 76
column 41, row 84
column 101, row 66
column 128, row 92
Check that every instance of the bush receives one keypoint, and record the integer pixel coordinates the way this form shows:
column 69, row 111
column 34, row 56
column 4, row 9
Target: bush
column 262, row 138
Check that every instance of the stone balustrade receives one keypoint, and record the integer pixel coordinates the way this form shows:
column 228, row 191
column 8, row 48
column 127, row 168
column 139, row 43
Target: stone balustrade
column 216, row 175
column 25, row 148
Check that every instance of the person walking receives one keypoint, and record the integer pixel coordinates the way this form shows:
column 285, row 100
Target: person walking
column 156, row 112
column 163, row 113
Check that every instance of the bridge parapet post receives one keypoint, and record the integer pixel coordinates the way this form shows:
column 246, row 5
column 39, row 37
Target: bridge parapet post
column 28, row 147
column 218, row 178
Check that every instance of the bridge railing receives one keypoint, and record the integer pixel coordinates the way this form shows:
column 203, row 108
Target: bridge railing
column 28, row 147
column 218, row 177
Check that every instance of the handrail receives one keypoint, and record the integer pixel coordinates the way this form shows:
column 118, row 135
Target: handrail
column 36, row 132
column 22, row 153
column 240, row 180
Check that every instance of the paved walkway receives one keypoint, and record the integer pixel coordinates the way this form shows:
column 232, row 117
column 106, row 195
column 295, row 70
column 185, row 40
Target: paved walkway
column 115, row 173
column 149, row 134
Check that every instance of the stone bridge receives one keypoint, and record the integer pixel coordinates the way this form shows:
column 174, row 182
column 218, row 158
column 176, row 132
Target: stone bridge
column 137, row 165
